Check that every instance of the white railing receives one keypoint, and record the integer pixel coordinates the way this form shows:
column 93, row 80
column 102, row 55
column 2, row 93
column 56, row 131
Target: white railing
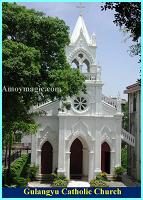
column 109, row 101
column 90, row 76
column 128, row 138
column 40, row 104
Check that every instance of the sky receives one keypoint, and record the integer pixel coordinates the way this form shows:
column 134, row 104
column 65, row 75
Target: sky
column 119, row 69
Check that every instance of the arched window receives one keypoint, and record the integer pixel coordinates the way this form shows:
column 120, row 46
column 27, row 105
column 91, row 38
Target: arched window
column 75, row 64
column 85, row 66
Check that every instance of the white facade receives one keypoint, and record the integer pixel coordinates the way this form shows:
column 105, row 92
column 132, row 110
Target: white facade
column 93, row 118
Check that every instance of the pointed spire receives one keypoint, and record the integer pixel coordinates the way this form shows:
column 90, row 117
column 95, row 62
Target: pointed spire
column 80, row 27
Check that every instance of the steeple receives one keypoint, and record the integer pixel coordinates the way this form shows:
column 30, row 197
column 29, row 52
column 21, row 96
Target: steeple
column 80, row 27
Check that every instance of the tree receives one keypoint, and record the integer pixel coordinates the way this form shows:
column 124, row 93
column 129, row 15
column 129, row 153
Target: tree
column 125, row 120
column 128, row 17
column 33, row 57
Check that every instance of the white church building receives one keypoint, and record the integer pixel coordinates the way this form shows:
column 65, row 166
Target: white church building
column 86, row 139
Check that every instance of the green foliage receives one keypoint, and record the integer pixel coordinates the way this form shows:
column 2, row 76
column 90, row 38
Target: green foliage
column 60, row 183
column 60, row 177
column 101, row 176
column 17, row 168
column 38, row 62
column 18, row 165
column 124, row 159
column 10, row 186
column 119, row 171
column 128, row 17
column 20, row 181
column 49, row 178
column 98, row 183
column 33, row 57
column 57, row 180
column 125, row 120
column 32, row 171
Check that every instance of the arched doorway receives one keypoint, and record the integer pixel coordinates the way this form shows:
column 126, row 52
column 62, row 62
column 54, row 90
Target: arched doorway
column 105, row 158
column 46, row 158
column 76, row 159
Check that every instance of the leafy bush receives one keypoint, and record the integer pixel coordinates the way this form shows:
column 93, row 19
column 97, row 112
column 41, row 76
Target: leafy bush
column 10, row 186
column 32, row 171
column 18, row 165
column 16, row 169
column 98, row 183
column 60, row 183
column 50, row 177
column 60, row 177
column 20, row 181
column 118, row 172
column 26, row 167
column 101, row 176
column 124, row 160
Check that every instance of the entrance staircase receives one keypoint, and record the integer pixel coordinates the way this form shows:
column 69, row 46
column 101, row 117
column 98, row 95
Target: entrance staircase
column 128, row 138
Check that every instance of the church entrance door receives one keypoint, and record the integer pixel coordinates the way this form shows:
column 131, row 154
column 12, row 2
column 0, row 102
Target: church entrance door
column 46, row 158
column 76, row 159
column 105, row 158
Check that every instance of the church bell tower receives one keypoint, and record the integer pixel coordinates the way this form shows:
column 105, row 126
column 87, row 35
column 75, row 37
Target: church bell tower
column 81, row 54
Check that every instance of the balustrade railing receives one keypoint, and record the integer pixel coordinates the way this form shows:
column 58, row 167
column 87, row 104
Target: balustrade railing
column 90, row 76
column 109, row 101
column 128, row 138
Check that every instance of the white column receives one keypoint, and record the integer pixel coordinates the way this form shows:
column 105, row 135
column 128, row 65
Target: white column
column 85, row 162
column 118, row 150
column 61, row 153
column 97, row 159
column 33, row 150
column 112, row 156
column 68, row 165
column 38, row 161
column 55, row 157
column 91, row 166
column 112, row 162
column 98, row 91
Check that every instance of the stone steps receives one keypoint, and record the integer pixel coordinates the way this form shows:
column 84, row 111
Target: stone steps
column 110, row 177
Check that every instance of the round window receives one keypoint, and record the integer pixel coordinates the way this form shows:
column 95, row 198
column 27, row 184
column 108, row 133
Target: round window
column 80, row 103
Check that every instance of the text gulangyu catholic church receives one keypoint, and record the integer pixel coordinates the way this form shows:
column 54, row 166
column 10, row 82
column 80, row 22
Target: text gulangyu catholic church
column 86, row 139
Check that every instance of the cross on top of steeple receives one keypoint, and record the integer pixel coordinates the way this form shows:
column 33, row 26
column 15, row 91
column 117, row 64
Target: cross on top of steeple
column 80, row 7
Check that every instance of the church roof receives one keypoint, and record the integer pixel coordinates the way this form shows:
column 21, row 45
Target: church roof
column 80, row 27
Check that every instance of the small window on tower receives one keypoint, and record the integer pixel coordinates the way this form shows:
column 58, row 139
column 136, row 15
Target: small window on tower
column 80, row 55
column 75, row 64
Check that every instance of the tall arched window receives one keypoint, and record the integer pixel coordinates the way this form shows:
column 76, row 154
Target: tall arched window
column 85, row 66
column 75, row 64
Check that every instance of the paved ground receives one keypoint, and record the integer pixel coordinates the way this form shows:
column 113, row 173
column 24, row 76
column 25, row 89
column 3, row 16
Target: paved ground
column 38, row 184
column 126, row 181
column 116, row 184
column 75, row 183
